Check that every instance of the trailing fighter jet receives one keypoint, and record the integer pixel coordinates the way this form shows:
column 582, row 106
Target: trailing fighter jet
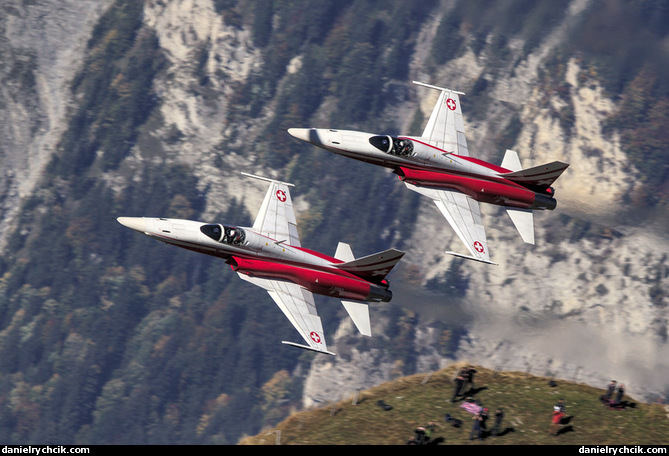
column 438, row 165
column 270, row 256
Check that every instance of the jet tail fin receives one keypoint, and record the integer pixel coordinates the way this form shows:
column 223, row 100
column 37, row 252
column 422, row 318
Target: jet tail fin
column 373, row 267
column 276, row 217
column 445, row 128
column 523, row 219
column 344, row 252
column 511, row 161
column 359, row 313
column 540, row 176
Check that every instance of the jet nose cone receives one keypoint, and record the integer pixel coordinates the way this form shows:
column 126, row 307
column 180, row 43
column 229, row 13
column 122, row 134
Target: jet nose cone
column 135, row 223
column 309, row 135
column 313, row 136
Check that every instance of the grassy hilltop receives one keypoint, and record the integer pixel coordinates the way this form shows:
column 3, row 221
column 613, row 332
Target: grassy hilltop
column 527, row 402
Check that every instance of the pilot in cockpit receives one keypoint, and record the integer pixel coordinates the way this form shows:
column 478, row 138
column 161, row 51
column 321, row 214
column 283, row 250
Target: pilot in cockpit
column 403, row 147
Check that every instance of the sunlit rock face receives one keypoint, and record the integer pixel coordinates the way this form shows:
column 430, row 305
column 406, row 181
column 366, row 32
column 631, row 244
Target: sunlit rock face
column 42, row 46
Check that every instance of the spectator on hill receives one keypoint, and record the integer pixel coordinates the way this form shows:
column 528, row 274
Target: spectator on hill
column 419, row 438
column 459, row 383
column 499, row 416
column 469, row 377
column 479, row 426
column 621, row 393
column 610, row 390
column 423, row 435
column 561, row 406
column 429, row 429
column 556, row 420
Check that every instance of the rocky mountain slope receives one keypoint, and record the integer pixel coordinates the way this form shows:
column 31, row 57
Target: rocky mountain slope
column 42, row 47
column 588, row 300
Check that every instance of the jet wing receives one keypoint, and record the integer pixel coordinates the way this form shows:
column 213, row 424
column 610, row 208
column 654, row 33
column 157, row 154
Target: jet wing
column 446, row 129
column 276, row 217
column 298, row 306
column 464, row 215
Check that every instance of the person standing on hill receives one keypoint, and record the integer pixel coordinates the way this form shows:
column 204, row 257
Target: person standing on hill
column 459, row 383
column 477, row 427
column 470, row 378
column 610, row 390
column 621, row 393
column 499, row 416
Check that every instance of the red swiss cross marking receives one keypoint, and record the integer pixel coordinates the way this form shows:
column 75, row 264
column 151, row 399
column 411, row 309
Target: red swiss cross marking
column 479, row 247
column 315, row 337
column 281, row 195
column 451, row 104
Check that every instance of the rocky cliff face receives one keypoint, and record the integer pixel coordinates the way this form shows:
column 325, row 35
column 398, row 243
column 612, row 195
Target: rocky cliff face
column 41, row 46
column 580, row 300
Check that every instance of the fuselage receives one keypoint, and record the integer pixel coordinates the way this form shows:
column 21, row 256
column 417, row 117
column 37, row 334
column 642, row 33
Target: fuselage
column 419, row 163
column 256, row 255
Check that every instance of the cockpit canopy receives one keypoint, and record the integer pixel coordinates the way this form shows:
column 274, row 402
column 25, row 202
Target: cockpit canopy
column 393, row 145
column 225, row 234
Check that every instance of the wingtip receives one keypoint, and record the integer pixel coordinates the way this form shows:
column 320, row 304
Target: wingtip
column 266, row 179
column 306, row 347
column 467, row 257
column 430, row 86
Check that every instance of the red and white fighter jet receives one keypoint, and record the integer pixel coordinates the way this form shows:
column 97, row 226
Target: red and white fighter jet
column 437, row 165
column 270, row 255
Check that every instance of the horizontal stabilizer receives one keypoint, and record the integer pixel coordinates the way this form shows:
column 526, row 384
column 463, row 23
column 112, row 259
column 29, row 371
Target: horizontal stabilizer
column 373, row 267
column 523, row 219
column 359, row 313
column 470, row 257
column 542, row 175
column 306, row 347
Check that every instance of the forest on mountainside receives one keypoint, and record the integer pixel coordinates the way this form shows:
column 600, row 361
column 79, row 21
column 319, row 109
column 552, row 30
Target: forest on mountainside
column 107, row 337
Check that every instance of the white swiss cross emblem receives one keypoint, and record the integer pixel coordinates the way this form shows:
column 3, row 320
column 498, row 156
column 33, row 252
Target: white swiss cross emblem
column 451, row 104
column 281, row 195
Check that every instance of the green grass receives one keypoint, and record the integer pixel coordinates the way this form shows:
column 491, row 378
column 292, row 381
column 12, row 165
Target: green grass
column 419, row 399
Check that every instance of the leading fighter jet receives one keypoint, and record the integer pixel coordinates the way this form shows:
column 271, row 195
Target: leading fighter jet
column 270, row 256
column 437, row 165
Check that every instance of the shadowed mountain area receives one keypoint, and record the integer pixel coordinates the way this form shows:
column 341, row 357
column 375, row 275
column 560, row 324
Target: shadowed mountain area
column 125, row 108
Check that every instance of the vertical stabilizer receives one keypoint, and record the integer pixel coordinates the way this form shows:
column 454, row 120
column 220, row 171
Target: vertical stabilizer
column 276, row 217
column 344, row 252
column 445, row 128
column 523, row 219
column 511, row 161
